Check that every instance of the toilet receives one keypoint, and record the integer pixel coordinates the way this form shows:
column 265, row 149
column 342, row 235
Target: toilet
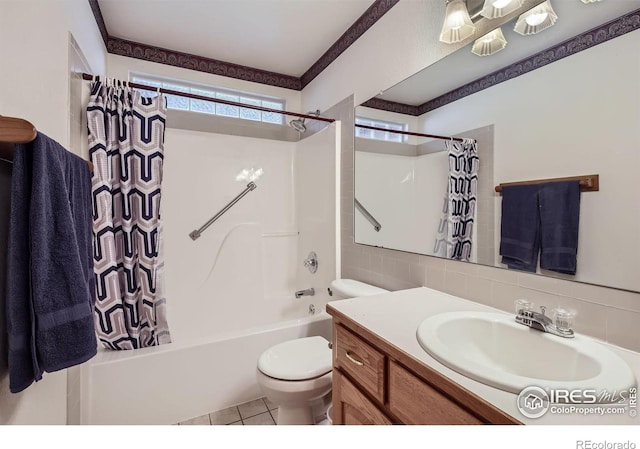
column 296, row 374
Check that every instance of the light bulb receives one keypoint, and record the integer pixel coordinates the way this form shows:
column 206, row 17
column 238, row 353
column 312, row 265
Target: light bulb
column 493, row 9
column 536, row 19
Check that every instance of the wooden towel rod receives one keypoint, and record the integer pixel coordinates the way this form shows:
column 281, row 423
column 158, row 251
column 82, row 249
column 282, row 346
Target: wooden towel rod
column 17, row 130
column 588, row 183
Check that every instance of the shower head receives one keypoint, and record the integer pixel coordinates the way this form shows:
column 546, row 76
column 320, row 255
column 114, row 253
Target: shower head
column 298, row 125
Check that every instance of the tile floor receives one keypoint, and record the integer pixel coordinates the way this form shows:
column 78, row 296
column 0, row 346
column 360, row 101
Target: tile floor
column 258, row 412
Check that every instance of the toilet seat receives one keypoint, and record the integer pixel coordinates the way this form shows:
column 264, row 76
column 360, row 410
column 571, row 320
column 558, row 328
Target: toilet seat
column 299, row 359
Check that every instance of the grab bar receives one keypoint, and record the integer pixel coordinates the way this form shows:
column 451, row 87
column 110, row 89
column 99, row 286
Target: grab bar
column 196, row 233
column 376, row 224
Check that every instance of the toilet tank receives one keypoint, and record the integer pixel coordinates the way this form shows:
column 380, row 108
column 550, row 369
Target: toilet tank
column 349, row 288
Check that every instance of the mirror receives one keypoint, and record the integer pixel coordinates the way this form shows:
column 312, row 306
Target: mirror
column 560, row 116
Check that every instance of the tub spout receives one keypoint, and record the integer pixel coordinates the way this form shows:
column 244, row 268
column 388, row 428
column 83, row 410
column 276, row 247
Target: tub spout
column 307, row 292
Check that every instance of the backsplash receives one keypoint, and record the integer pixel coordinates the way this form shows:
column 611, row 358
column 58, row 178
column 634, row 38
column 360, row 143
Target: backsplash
column 608, row 314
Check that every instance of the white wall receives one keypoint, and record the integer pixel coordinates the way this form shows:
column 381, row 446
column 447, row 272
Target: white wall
column 402, row 42
column 574, row 117
column 253, row 245
column 34, row 84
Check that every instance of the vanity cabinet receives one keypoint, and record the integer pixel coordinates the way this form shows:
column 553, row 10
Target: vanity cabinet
column 376, row 383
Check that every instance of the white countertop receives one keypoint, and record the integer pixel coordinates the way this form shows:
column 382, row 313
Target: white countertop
column 395, row 317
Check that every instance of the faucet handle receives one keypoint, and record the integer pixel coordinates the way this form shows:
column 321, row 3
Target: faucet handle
column 523, row 306
column 563, row 318
column 543, row 309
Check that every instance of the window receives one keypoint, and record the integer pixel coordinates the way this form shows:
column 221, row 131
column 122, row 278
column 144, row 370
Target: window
column 380, row 135
column 210, row 107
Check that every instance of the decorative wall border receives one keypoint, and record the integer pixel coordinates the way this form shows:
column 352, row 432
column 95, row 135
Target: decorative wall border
column 391, row 106
column 160, row 55
column 378, row 9
column 610, row 30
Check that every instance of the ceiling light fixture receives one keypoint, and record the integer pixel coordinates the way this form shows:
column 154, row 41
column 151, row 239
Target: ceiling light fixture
column 494, row 9
column 457, row 23
column 536, row 19
column 490, row 43
column 590, row 1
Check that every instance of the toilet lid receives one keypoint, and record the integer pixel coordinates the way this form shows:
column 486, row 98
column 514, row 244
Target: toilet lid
column 300, row 359
column 350, row 288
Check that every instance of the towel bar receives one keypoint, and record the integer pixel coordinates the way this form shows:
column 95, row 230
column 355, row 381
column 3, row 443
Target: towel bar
column 588, row 183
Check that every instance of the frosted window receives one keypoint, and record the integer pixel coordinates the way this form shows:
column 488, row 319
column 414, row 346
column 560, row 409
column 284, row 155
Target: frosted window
column 272, row 117
column 206, row 107
column 380, row 135
column 250, row 114
column 210, row 107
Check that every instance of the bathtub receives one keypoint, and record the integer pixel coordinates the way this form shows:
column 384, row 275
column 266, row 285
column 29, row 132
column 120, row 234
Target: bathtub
column 170, row 383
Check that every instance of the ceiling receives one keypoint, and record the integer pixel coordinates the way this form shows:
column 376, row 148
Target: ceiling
column 462, row 66
column 283, row 36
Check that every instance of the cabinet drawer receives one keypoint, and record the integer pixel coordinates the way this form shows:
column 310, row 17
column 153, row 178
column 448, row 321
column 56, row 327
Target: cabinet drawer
column 350, row 406
column 415, row 402
column 361, row 361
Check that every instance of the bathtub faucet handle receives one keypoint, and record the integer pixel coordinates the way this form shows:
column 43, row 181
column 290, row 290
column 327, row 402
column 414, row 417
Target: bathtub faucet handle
column 311, row 262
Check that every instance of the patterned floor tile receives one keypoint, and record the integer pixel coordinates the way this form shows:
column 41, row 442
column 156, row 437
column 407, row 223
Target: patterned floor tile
column 270, row 405
column 261, row 419
column 226, row 416
column 252, row 408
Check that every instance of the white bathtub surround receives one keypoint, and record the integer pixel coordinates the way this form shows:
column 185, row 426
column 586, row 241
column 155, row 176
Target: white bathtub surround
column 317, row 200
column 232, row 290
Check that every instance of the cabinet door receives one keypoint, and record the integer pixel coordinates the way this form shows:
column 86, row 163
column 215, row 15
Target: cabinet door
column 414, row 401
column 352, row 407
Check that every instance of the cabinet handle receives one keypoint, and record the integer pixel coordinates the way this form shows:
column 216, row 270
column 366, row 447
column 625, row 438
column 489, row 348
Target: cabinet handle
column 356, row 361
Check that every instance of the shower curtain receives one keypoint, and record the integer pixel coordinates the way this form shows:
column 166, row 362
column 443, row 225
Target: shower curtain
column 126, row 144
column 455, row 230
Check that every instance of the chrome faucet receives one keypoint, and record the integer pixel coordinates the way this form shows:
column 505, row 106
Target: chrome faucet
column 311, row 262
column 560, row 326
column 307, row 292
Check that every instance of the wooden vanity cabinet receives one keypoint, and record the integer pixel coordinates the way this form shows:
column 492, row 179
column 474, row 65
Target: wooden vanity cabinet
column 376, row 383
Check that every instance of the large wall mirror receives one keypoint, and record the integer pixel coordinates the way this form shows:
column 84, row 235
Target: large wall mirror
column 561, row 116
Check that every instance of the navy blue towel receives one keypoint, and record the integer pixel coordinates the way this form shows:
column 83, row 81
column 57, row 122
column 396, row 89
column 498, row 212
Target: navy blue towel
column 50, row 282
column 520, row 227
column 559, row 220
column 541, row 218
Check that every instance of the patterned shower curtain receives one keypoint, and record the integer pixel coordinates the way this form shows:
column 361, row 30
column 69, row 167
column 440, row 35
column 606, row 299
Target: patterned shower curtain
column 126, row 144
column 455, row 231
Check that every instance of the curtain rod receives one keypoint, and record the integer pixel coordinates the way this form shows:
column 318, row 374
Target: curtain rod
column 89, row 77
column 408, row 133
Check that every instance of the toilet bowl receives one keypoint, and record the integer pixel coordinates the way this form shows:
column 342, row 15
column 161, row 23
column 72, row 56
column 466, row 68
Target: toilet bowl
column 296, row 374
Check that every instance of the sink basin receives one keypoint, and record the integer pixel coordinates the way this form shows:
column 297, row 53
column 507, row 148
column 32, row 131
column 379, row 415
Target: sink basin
column 493, row 349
